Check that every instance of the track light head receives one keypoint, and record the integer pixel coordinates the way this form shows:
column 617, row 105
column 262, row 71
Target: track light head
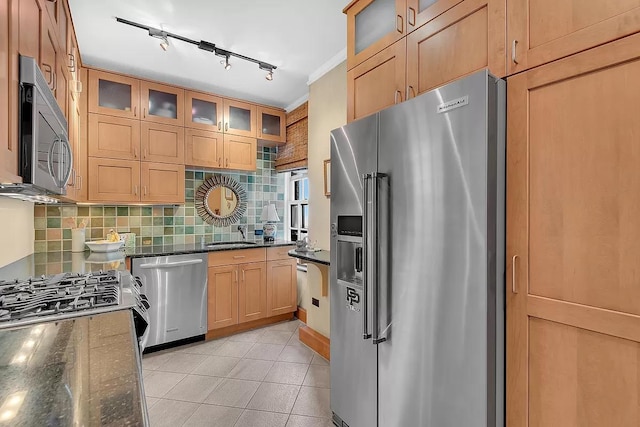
column 225, row 62
column 269, row 76
column 268, row 68
column 164, row 44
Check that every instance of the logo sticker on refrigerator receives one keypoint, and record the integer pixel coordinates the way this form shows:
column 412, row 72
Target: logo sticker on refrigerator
column 453, row 104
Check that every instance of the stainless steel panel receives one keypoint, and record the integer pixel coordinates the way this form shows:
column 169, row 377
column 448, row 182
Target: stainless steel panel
column 353, row 359
column 438, row 267
column 176, row 287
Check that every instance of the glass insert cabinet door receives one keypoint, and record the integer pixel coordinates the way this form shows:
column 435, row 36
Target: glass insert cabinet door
column 203, row 111
column 114, row 95
column 161, row 103
column 372, row 25
column 239, row 118
column 271, row 124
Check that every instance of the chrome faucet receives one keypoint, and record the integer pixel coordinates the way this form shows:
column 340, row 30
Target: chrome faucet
column 243, row 230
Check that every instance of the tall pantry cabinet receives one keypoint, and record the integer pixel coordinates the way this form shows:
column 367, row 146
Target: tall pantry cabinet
column 573, row 186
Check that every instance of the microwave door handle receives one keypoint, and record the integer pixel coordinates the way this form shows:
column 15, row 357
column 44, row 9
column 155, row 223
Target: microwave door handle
column 68, row 166
column 50, row 160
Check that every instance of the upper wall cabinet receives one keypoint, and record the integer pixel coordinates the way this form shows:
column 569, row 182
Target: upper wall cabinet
column 203, row 111
column 239, row 118
column 373, row 25
column 542, row 31
column 271, row 125
column 162, row 103
column 114, row 95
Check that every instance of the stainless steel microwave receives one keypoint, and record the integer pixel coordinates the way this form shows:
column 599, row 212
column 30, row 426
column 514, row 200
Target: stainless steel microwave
column 45, row 157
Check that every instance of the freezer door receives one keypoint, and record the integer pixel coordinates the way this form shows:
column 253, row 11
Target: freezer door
column 437, row 285
column 353, row 359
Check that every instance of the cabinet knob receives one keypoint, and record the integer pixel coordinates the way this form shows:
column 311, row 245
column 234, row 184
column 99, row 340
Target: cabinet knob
column 219, row 161
column 226, row 126
column 219, row 125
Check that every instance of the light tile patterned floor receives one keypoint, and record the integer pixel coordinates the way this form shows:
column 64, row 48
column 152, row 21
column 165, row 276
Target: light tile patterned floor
column 260, row 378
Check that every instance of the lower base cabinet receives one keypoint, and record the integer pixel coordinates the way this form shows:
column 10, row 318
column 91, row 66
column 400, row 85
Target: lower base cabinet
column 249, row 287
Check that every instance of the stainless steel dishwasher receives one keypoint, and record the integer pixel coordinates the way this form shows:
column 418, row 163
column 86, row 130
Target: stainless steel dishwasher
column 176, row 287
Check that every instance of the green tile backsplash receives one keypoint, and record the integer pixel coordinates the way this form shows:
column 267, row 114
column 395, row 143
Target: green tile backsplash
column 166, row 224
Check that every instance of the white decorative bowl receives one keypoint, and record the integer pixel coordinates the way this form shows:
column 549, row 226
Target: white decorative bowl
column 104, row 245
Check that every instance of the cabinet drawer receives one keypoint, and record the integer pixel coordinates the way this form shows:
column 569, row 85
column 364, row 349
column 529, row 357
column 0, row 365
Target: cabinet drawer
column 241, row 256
column 278, row 253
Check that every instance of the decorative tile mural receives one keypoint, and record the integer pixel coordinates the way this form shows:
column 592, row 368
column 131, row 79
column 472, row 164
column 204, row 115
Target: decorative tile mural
column 158, row 225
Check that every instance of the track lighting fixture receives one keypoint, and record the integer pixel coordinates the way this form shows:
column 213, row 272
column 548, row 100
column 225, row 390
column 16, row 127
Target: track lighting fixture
column 203, row 45
column 268, row 68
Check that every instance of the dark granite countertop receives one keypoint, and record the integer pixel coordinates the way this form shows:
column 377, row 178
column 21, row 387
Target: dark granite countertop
column 319, row 257
column 81, row 371
column 147, row 251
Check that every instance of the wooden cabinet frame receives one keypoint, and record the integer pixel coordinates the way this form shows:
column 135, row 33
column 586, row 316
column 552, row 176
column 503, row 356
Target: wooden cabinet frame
column 203, row 148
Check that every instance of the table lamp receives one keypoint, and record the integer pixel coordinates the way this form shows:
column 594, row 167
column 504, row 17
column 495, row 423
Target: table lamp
column 270, row 217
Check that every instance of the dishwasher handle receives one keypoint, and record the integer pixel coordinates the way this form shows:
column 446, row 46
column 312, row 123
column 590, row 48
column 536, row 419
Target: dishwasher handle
column 171, row 264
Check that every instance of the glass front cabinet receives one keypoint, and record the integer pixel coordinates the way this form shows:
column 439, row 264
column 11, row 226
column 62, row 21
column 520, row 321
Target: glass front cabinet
column 114, row 95
column 239, row 118
column 271, row 125
column 203, row 111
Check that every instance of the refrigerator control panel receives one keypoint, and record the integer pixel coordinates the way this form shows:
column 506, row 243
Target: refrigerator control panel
column 350, row 225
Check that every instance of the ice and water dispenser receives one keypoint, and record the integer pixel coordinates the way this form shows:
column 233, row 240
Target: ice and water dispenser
column 349, row 247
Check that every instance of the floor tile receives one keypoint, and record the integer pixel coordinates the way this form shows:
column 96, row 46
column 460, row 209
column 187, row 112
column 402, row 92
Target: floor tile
column 204, row 347
column 212, row 415
column 288, row 326
column 319, row 360
column 251, row 418
column 230, row 392
column 159, row 383
column 287, row 373
column 233, row 349
column 275, row 337
column 264, row 351
column 151, row 401
column 302, row 421
column 216, row 366
column 250, row 336
column 171, row 413
column 153, row 360
column 146, row 373
column 318, row 376
column 297, row 354
column 312, row 401
column 274, row 397
column 181, row 362
column 193, row 388
column 249, row 369
column 295, row 339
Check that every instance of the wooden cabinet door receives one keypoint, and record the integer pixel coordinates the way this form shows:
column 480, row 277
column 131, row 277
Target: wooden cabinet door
column 377, row 83
column 203, row 111
column 204, row 149
column 372, row 26
column 271, row 124
column 573, row 240
column 162, row 183
column 8, row 92
column 114, row 95
column 222, row 296
column 541, row 31
column 114, row 180
column 282, row 287
column 53, row 8
column 240, row 153
column 31, row 31
column 162, row 103
column 454, row 44
column 49, row 54
column 64, row 24
column 252, row 292
column 162, row 143
column 114, row 137
column 62, row 85
column 239, row 118
column 419, row 12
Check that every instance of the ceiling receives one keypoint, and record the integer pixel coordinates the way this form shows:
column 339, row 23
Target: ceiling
column 300, row 37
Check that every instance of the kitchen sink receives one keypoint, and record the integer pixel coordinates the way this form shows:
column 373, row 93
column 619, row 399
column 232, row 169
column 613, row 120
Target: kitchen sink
column 230, row 244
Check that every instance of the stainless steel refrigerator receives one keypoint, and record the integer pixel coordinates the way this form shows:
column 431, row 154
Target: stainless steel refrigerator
column 417, row 261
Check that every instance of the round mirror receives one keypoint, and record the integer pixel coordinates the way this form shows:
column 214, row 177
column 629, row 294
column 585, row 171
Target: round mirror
column 221, row 201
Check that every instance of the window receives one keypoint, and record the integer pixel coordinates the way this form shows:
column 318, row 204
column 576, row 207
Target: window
column 297, row 201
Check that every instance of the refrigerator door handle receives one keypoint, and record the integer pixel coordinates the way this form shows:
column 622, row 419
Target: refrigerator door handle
column 365, row 257
column 376, row 320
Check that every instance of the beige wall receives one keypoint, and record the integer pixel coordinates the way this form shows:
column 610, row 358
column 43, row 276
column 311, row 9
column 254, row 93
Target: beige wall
column 16, row 220
column 327, row 111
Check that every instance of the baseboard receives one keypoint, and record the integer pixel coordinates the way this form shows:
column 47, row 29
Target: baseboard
column 242, row 327
column 301, row 314
column 315, row 341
